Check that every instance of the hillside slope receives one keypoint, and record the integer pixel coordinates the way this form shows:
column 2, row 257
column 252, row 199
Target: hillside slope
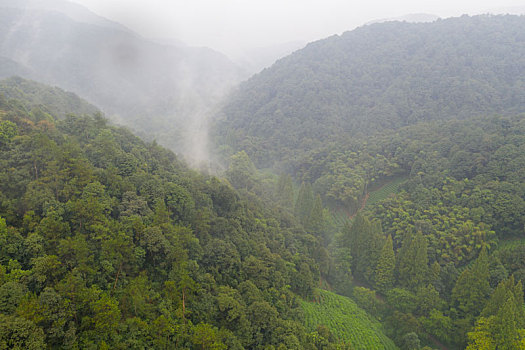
column 159, row 90
column 378, row 77
column 109, row 242
column 346, row 321
column 52, row 100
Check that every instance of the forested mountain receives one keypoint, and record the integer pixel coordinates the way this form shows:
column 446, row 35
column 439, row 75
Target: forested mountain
column 34, row 96
column 107, row 242
column 9, row 67
column 436, row 259
column 394, row 176
column 159, row 90
column 378, row 77
column 410, row 18
column 72, row 10
column 437, row 108
column 428, row 248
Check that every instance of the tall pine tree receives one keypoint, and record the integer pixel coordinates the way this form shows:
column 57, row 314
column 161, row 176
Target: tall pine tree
column 365, row 241
column 384, row 276
column 304, row 203
column 315, row 221
column 413, row 262
column 284, row 191
column 472, row 287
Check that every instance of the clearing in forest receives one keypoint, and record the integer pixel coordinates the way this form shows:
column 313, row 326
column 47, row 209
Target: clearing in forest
column 346, row 321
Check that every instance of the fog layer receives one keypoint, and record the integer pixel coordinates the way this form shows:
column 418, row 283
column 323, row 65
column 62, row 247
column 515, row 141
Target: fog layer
column 161, row 91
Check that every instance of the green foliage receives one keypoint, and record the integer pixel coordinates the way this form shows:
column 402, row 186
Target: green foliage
column 402, row 300
column 429, row 170
column 346, row 321
column 384, row 191
column 439, row 325
column 451, row 230
column 42, row 100
column 364, row 240
column 472, row 287
column 500, row 331
column 18, row 333
column 8, row 130
column 367, row 299
column 109, row 242
column 374, row 79
column 413, row 262
column 384, row 274
column 241, row 171
column 284, row 191
column 315, row 221
column 329, row 85
column 502, row 321
column 205, row 337
column 411, row 341
column 304, row 203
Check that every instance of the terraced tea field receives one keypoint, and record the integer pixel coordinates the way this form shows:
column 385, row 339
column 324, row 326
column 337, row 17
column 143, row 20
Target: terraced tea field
column 347, row 321
column 384, row 191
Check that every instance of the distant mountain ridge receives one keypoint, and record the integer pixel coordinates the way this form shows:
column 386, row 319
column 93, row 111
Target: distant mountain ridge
column 377, row 77
column 52, row 100
column 158, row 90
column 410, row 18
column 74, row 11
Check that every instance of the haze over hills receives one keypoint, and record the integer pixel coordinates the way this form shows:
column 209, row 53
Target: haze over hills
column 410, row 18
column 72, row 10
column 394, row 179
column 136, row 240
column 132, row 79
column 511, row 10
column 51, row 102
column 378, row 77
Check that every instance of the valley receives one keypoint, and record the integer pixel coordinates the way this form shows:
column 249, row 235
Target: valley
column 364, row 192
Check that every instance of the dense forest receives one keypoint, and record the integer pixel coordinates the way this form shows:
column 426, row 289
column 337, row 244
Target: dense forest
column 107, row 242
column 436, row 259
column 377, row 77
column 437, row 110
column 373, row 197
column 150, row 87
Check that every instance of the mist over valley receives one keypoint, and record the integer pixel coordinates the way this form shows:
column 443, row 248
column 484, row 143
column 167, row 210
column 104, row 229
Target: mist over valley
column 262, row 175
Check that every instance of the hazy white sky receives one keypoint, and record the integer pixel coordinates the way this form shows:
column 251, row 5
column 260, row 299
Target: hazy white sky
column 230, row 25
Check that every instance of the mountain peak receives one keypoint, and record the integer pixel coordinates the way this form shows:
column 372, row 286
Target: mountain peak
column 410, row 18
column 72, row 10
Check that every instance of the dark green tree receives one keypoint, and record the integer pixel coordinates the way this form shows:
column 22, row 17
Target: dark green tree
column 413, row 262
column 241, row 172
column 19, row 333
column 472, row 287
column 384, row 274
column 316, row 220
column 284, row 191
column 304, row 204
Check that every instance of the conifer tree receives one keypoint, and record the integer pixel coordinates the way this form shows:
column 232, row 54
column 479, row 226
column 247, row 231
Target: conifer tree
column 304, row 203
column 502, row 320
column 506, row 290
column 403, row 257
column 284, row 191
column 413, row 262
column 384, row 276
column 505, row 329
column 315, row 221
column 365, row 241
column 472, row 287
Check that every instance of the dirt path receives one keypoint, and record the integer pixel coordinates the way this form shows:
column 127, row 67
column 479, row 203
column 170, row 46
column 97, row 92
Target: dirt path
column 363, row 204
